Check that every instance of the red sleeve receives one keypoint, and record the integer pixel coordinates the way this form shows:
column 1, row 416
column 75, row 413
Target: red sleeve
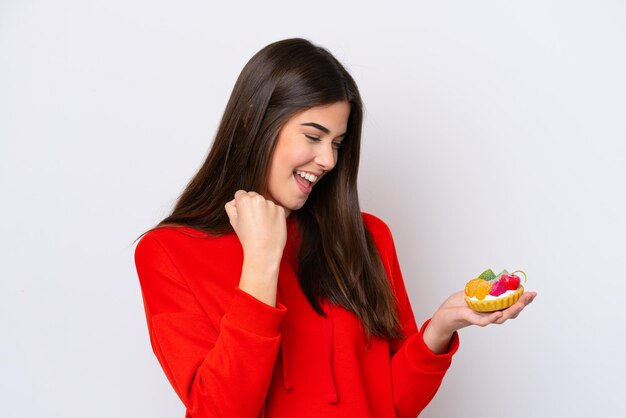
column 416, row 371
column 220, row 364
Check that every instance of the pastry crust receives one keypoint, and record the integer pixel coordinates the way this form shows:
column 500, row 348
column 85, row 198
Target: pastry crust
column 495, row 304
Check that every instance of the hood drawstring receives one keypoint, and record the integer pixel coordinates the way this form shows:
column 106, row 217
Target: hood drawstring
column 329, row 332
column 286, row 382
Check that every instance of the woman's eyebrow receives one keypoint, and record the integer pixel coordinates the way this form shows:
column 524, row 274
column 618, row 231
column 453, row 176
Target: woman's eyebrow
column 321, row 128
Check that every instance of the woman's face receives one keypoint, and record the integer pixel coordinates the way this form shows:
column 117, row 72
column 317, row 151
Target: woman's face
column 307, row 145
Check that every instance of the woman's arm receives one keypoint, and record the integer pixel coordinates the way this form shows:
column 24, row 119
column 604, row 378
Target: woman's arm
column 219, row 360
column 261, row 228
column 420, row 361
column 416, row 371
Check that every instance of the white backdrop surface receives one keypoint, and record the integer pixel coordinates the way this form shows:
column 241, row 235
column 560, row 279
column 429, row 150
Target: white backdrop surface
column 495, row 136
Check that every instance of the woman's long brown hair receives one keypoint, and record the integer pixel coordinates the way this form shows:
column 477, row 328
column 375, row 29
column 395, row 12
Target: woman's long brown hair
column 337, row 258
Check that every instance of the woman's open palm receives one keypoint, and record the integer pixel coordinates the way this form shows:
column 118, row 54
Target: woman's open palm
column 454, row 313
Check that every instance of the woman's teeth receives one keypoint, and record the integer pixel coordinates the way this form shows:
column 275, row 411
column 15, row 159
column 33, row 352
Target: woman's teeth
column 310, row 177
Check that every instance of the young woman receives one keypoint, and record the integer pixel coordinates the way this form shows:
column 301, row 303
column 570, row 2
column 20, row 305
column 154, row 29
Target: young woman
column 268, row 293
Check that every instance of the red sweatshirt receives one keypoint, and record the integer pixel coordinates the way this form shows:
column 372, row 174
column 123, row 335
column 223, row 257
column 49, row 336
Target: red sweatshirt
column 230, row 355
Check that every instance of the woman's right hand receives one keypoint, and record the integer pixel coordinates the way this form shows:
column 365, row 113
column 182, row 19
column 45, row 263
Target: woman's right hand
column 261, row 227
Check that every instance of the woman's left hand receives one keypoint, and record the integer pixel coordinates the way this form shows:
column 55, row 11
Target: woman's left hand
column 454, row 314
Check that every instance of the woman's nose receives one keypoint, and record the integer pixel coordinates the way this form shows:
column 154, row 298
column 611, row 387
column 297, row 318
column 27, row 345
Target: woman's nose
column 326, row 156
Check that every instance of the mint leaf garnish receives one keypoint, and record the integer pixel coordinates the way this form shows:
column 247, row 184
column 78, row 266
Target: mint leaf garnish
column 487, row 275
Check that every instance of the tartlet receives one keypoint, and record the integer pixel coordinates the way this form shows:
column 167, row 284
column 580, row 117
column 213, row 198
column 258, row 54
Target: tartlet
column 488, row 292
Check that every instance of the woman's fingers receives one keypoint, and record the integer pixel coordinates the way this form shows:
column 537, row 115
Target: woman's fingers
column 240, row 193
column 483, row 319
column 513, row 311
column 231, row 211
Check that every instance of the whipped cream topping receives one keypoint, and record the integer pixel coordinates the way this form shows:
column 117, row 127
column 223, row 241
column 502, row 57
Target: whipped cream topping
column 489, row 297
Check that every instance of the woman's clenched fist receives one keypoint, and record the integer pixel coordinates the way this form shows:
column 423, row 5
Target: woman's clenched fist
column 260, row 225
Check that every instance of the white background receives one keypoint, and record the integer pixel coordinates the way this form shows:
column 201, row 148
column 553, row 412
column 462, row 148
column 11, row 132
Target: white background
column 495, row 136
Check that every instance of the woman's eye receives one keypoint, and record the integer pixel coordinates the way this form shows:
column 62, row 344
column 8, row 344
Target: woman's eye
column 313, row 138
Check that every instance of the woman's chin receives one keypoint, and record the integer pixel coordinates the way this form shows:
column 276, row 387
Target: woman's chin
column 293, row 205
